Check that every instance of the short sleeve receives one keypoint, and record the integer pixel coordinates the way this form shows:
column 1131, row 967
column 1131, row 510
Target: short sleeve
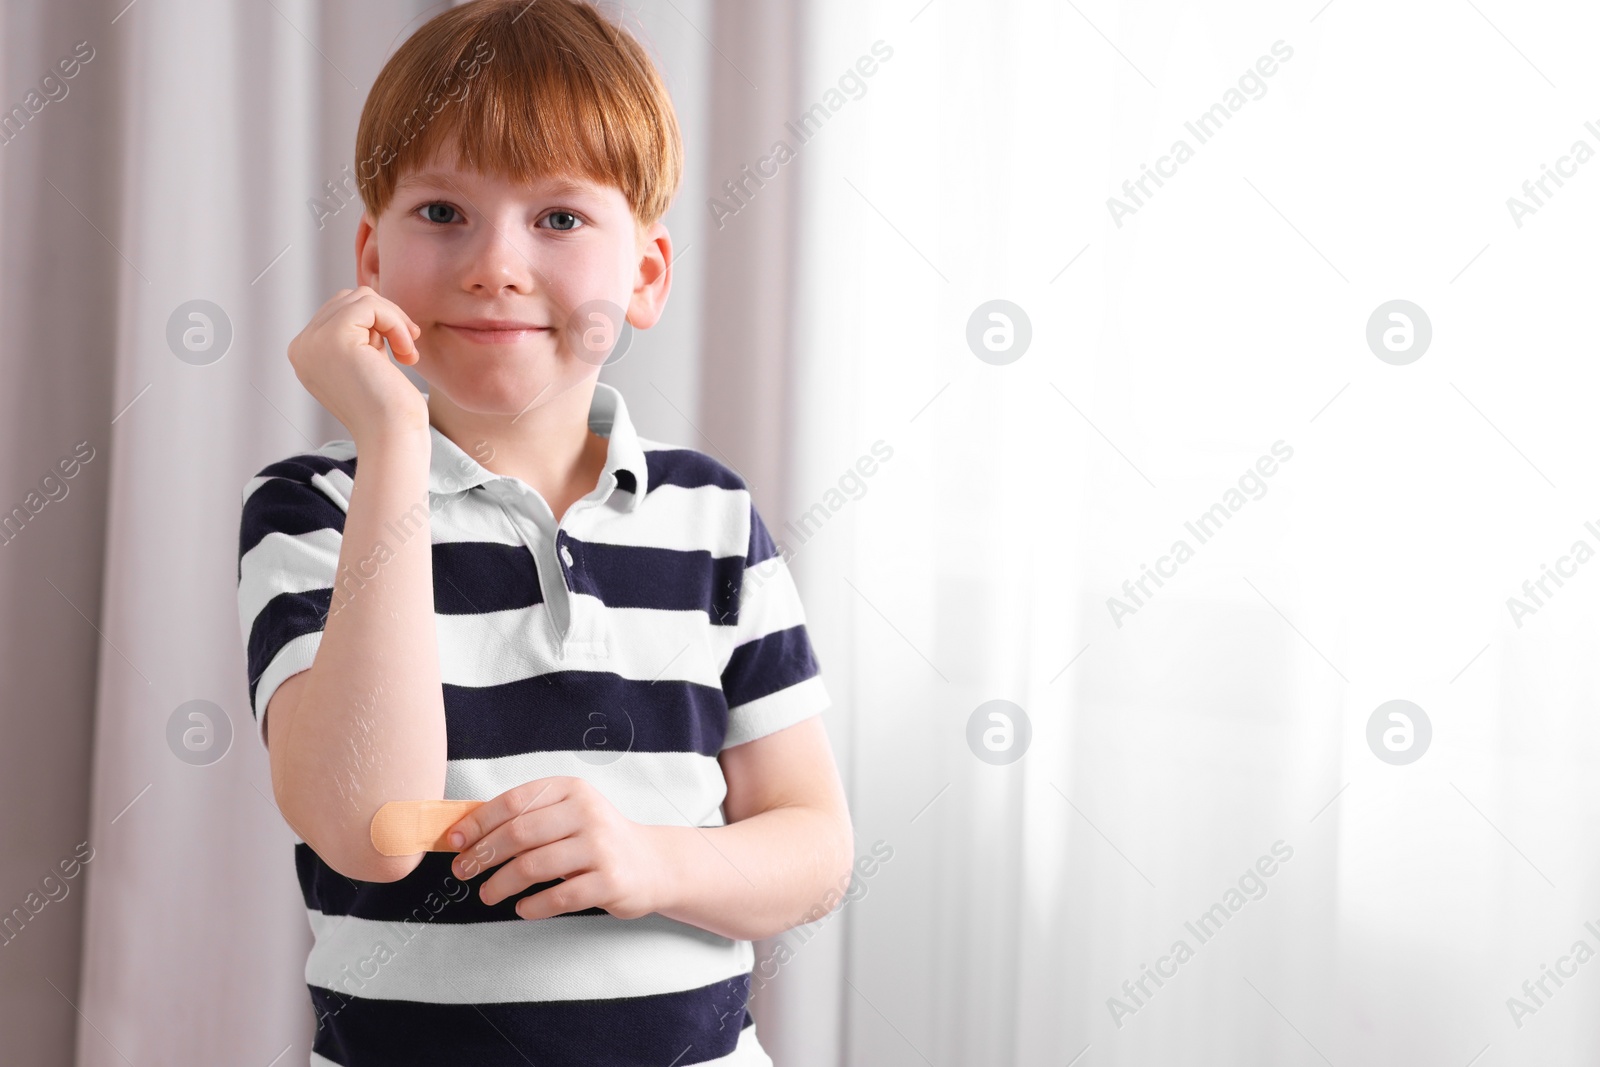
column 290, row 530
column 771, row 679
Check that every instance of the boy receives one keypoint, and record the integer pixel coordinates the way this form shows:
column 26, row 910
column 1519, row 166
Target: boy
column 497, row 591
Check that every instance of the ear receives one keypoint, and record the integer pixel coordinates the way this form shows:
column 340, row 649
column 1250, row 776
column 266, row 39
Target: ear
column 367, row 252
column 653, row 279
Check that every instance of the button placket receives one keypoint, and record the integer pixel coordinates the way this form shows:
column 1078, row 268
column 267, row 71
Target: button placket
column 563, row 545
column 581, row 639
column 557, row 597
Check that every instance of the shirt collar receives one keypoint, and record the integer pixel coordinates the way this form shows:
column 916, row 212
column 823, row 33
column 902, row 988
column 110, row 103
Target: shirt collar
column 452, row 470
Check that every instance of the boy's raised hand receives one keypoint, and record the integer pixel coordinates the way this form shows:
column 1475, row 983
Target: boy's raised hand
column 559, row 827
column 340, row 359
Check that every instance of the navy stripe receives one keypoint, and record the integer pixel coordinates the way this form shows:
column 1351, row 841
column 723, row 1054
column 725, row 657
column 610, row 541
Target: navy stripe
column 767, row 664
column 762, row 547
column 429, row 894
column 692, row 1026
column 473, row 577
column 285, row 506
column 687, row 468
column 286, row 617
column 663, row 579
column 574, row 711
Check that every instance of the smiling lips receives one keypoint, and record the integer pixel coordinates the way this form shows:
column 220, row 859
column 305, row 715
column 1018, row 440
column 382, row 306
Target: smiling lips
column 495, row 331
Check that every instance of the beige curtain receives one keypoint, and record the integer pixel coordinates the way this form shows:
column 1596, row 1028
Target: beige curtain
column 156, row 915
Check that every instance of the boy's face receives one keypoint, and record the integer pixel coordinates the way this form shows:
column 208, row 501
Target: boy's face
column 565, row 257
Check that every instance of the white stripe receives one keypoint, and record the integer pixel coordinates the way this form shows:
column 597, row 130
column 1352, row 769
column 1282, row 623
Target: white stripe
column 296, row 656
column 336, row 485
column 773, row 712
column 706, row 518
column 748, row 1053
column 768, row 602
column 641, row 644
column 574, row 957
column 285, row 563
column 656, row 788
column 471, row 517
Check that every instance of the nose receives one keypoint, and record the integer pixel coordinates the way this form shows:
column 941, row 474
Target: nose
column 499, row 263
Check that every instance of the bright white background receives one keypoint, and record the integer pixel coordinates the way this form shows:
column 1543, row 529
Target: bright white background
column 1227, row 314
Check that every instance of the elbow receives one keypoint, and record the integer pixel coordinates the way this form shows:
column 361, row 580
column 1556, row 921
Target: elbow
column 841, row 865
column 376, row 867
column 349, row 851
column 846, row 844
column 367, row 864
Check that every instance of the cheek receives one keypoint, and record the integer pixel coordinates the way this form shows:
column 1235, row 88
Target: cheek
column 415, row 279
column 592, row 274
column 411, row 273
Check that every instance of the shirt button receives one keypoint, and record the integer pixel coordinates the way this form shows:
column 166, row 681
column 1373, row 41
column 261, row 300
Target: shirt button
column 566, row 554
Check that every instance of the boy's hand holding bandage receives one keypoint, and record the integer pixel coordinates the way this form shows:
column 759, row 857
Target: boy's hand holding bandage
column 559, row 827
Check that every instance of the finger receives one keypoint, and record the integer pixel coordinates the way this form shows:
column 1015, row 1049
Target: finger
column 517, row 835
column 384, row 316
column 574, row 894
column 473, row 862
column 513, row 802
column 543, row 864
column 343, row 298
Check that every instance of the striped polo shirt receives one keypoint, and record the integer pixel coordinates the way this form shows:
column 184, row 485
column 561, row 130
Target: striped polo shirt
column 654, row 626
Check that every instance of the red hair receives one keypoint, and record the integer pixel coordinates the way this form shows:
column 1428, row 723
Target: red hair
column 523, row 89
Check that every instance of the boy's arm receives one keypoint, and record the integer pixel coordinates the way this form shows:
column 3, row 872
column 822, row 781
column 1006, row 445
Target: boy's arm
column 365, row 724
column 784, row 857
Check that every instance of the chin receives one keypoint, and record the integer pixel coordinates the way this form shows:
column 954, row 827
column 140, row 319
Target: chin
column 497, row 394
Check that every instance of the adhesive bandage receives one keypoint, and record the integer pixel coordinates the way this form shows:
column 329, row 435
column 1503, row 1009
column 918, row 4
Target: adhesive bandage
column 406, row 827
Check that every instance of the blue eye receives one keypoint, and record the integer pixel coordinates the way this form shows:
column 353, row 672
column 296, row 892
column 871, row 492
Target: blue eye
column 563, row 215
column 430, row 208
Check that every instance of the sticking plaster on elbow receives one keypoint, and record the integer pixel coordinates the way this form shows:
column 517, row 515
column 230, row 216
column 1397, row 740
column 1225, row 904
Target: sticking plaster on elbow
column 406, row 827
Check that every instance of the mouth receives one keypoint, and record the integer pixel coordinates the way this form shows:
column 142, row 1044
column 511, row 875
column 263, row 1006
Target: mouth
column 496, row 331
